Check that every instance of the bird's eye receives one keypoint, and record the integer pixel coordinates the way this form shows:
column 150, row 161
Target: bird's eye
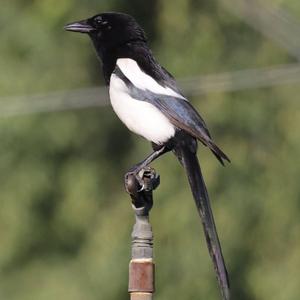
column 98, row 21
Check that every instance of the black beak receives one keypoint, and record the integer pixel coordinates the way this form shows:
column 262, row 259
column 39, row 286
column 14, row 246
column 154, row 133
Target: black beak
column 80, row 26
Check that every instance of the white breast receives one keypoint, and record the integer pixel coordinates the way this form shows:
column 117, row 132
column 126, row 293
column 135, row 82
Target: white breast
column 139, row 116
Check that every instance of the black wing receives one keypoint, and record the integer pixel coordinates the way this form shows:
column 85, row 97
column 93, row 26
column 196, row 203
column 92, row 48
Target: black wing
column 183, row 115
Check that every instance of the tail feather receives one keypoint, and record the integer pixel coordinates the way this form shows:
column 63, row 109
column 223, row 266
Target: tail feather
column 190, row 162
column 219, row 154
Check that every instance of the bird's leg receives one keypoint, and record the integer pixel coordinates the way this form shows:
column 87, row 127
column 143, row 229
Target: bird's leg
column 138, row 167
column 149, row 159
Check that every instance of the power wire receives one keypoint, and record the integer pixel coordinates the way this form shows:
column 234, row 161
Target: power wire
column 195, row 86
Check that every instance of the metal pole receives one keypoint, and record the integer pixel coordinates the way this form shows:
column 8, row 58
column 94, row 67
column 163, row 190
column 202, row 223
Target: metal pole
column 141, row 267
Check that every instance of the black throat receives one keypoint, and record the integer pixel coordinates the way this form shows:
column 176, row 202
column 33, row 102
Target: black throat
column 136, row 49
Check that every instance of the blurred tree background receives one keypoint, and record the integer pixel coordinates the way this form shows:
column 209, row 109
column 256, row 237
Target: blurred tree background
column 65, row 220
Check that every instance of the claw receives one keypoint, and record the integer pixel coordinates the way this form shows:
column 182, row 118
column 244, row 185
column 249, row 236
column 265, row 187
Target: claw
column 142, row 188
column 134, row 183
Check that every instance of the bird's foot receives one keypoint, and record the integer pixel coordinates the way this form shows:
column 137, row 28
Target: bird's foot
column 133, row 178
column 141, row 178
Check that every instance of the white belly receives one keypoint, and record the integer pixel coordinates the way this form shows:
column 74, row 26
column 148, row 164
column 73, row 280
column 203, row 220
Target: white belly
column 140, row 117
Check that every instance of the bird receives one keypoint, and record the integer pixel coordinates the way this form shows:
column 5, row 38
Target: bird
column 147, row 99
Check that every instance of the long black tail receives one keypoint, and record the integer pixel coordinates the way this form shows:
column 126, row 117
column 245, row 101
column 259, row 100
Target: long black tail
column 190, row 162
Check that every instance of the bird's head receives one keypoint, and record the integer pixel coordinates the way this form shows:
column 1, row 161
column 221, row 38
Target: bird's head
column 109, row 30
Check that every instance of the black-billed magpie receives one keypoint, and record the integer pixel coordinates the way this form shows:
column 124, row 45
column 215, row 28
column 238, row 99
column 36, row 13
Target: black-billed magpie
column 146, row 98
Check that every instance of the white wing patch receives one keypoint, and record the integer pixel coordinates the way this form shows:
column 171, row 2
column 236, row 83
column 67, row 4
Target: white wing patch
column 141, row 80
column 140, row 117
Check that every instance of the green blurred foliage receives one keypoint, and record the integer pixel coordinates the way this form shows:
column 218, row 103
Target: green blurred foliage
column 65, row 220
